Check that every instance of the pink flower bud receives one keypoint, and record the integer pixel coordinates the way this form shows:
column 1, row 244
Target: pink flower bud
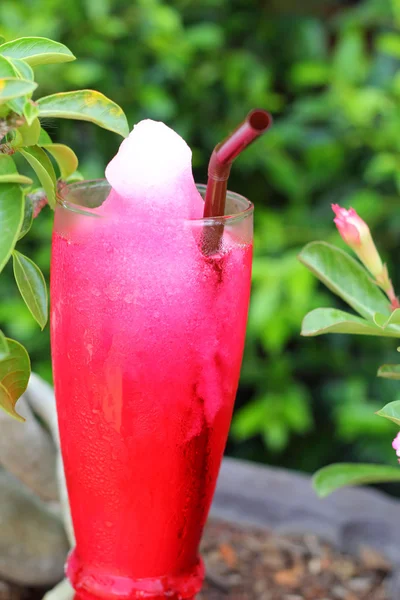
column 355, row 232
column 396, row 444
column 351, row 227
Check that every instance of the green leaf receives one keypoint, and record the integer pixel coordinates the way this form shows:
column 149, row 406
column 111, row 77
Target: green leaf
column 331, row 320
column 15, row 178
column 12, row 87
column 37, row 51
column 389, row 371
column 310, row 73
column 7, row 165
column 17, row 104
column 30, row 133
column 31, row 112
column 384, row 322
column 2, row 39
column 345, row 277
column 15, row 370
column 391, row 411
column 333, row 477
column 9, row 173
column 349, row 61
column 85, row 105
column 44, row 138
column 15, row 140
column 4, row 350
column 43, row 168
column 24, row 70
column 389, row 43
column 11, row 217
column 77, row 176
column 394, row 318
column 65, row 157
column 7, row 69
column 28, row 218
column 32, row 286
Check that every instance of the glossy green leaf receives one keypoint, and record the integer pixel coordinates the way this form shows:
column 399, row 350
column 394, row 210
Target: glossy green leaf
column 12, row 87
column 15, row 178
column 9, row 173
column 28, row 218
column 7, row 165
column 15, row 370
column 7, row 69
column 37, row 51
column 43, row 168
column 44, row 138
column 345, row 277
column 391, row 411
column 389, row 371
column 77, row 176
column 333, row 477
column 17, row 104
column 24, row 70
column 85, row 105
column 21, row 70
column 2, row 39
column 30, row 133
column 15, row 139
column 4, row 350
column 384, row 322
column 11, row 217
column 31, row 112
column 65, row 157
column 331, row 320
column 32, row 286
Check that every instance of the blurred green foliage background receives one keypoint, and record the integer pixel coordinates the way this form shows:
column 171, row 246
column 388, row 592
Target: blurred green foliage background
column 329, row 72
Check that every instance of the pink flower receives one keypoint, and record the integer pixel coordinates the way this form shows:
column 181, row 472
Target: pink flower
column 351, row 227
column 396, row 444
column 355, row 232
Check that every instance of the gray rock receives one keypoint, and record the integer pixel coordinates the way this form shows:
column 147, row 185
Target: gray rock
column 33, row 544
column 40, row 397
column 28, row 452
column 285, row 501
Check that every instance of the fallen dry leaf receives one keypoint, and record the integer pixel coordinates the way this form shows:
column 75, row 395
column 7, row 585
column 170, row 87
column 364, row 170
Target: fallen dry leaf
column 229, row 555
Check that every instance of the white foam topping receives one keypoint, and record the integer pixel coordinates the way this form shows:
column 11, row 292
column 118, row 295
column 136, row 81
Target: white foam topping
column 152, row 156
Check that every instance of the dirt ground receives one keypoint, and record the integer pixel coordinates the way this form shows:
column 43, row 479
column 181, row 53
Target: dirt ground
column 245, row 564
column 251, row 564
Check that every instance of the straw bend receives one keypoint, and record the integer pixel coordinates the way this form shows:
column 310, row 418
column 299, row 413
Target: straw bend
column 254, row 125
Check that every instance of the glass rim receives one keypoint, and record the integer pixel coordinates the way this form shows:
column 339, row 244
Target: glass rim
column 62, row 200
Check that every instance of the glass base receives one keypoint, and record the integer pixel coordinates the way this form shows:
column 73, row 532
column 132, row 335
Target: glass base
column 92, row 584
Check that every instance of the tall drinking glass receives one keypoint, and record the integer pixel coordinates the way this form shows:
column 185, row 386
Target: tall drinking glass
column 147, row 341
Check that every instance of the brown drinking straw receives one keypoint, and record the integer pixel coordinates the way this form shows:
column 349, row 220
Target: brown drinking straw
column 255, row 124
